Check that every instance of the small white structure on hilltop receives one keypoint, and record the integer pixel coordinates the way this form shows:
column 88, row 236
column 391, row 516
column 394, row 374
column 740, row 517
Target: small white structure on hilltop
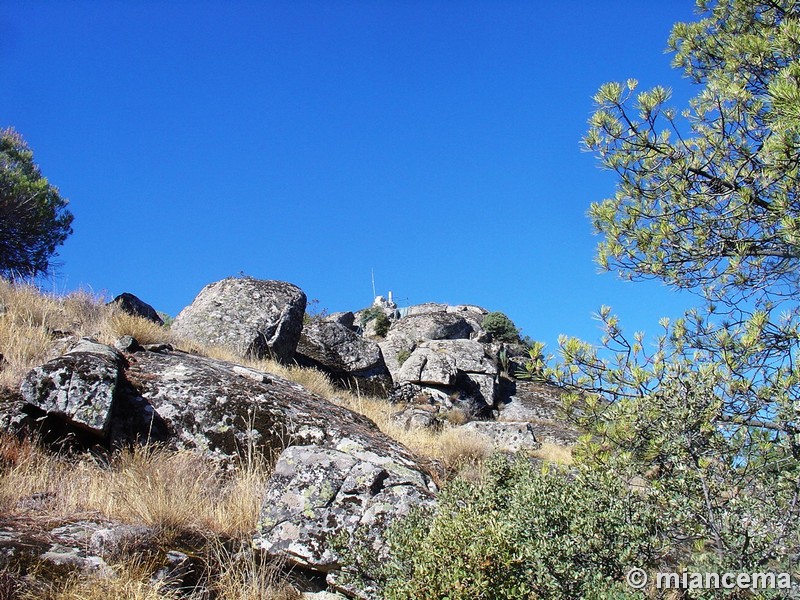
column 382, row 302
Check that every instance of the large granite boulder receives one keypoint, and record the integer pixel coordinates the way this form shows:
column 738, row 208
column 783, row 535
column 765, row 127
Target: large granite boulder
column 77, row 388
column 134, row 306
column 251, row 317
column 408, row 332
column 352, row 361
column 506, row 436
column 318, row 492
column 461, row 365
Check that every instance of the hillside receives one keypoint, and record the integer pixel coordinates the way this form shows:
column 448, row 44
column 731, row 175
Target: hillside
column 197, row 461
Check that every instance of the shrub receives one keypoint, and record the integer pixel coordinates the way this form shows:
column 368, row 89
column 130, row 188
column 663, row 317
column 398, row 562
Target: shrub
column 501, row 327
column 382, row 322
column 522, row 533
column 403, row 355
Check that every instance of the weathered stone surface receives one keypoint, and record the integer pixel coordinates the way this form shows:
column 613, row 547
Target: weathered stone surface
column 410, row 331
column 251, row 317
column 419, row 417
column 317, row 493
column 78, row 386
column 351, row 360
column 506, row 437
column 348, row 319
column 541, row 405
column 460, row 364
column 432, row 326
column 134, row 306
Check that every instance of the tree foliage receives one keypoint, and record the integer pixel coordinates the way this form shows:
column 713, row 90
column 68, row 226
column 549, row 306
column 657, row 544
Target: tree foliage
column 501, row 327
column 707, row 199
column 34, row 220
column 709, row 196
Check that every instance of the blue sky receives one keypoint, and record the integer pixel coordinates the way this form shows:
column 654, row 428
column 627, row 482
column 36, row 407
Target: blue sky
column 434, row 142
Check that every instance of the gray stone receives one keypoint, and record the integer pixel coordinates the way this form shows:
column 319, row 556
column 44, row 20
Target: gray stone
column 541, row 405
column 352, row 361
column 418, row 417
column 506, row 437
column 251, row 317
column 348, row 319
column 127, row 343
column 79, row 386
column 460, row 364
column 317, row 493
column 134, row 306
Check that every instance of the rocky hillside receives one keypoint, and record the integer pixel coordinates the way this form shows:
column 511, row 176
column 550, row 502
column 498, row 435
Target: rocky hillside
column 333, row 475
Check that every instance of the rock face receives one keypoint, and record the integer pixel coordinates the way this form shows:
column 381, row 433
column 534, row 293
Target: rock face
column 410, row 331
column 316, row 492
column 453, row 363
column 134, row 306
column 78, row 387
column 539, row 404
column 506, row 436
column 336, row 475
column 353, row 361
column 251, row 317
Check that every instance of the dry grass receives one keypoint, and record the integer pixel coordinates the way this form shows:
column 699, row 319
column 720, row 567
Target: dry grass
column 117, row 323
column 167, row 490
column 131, row 580
column 32, row 322
column 248, row 575
column 554, row 453
column 175, row 493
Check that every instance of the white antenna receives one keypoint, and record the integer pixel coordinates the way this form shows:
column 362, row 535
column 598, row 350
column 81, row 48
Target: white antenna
column 374, row 295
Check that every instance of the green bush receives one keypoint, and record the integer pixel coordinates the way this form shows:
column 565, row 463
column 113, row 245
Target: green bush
column 403, row 356
column 523, row 533
column 501, row 327
column 382, row 322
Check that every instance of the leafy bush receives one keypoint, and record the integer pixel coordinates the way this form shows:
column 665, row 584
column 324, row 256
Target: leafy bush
column 382, row 322
column 501, row 327
column 523, row 533
column 403, row 356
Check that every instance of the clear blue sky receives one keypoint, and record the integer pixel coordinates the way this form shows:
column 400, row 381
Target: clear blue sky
column 436, row 142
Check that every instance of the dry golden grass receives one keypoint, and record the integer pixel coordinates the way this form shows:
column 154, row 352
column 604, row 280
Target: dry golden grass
column 130, row 580
column 554, row 453
column 117, row 323
column 248, row 575
column 240, row 576
column 175, row 493
column 170, row 491
column 31, row 322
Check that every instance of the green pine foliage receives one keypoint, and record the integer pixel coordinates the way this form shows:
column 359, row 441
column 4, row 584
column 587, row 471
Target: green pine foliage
column 501, row 327
column 34, row 220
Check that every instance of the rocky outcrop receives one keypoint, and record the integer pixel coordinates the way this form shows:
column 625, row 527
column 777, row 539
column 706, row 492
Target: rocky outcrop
column 336, row 475
column 408, row 332
column 539, row 404
column 316, row 493
column 134, row 306
column 460, row 365
column 251, row 317
column 352, row 361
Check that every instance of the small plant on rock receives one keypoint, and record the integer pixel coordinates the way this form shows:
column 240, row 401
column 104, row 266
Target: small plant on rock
column 501, row 327
column 382, row 322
